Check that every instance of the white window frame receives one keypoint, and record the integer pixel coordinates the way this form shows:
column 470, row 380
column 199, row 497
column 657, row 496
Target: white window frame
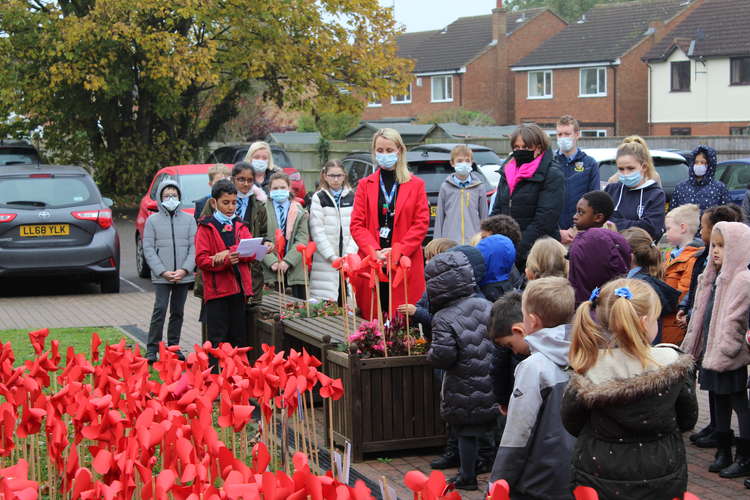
column 376, row 104
column 449, row 87
column 407, row 97
column 551, row 85
column 581, row 88
column 599, row 132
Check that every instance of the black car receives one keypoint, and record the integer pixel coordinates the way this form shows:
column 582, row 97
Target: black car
column 54, row 222
column 18, row 153
column 735, row 174
column 432, row 167
column 482, row 155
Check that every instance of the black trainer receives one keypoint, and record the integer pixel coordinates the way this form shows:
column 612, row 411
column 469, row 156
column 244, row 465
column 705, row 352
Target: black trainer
column 741, row 465
column 448, row 460
column 701, row 433
column 723, row 457
column 462, row 484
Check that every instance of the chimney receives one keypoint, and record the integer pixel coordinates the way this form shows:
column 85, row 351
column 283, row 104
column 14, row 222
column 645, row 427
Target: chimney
column 499, row 21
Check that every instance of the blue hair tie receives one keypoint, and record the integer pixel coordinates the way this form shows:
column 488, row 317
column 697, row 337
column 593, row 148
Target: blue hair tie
column 594, row 295
column 624, row 292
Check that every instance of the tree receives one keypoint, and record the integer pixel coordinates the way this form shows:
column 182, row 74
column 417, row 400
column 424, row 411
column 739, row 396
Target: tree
column 331, row 125
column 136, row 84
column 458, row 115
column 570, row 10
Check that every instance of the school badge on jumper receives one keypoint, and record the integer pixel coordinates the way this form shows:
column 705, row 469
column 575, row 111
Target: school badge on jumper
column 578, row 166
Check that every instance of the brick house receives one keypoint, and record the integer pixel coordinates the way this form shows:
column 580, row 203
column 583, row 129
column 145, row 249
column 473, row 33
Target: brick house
column 699, row 73
column 593, row 69
column 466, row 64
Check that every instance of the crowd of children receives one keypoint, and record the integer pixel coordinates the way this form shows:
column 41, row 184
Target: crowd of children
column 563, row 365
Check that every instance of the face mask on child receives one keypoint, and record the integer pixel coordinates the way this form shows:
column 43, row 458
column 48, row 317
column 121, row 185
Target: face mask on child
column 630, row 180
column 171, row 203
column 463, row 168
column 280, row 195
column 700, row 170
column 223, row 219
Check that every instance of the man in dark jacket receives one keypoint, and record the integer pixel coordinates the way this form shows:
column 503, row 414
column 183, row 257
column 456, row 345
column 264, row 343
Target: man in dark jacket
column 580, row 170
column 461, row 348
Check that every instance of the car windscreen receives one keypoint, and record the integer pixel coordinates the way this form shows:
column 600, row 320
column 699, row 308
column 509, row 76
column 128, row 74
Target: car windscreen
column 59, row 191
column 192, row 187
column 18, row 156
column 486, row 158
column 280, row 159
column 672, row 172
column 434, row 173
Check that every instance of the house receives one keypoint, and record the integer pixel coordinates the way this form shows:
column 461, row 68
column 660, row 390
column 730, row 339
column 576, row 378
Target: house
column 593, row 69
column 452, row 132
column 466, row 64
column 699, row 78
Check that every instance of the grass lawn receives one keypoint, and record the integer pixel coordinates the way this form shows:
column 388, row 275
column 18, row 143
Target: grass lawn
column 79, row 338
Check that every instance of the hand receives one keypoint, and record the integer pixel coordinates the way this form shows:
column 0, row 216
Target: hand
column 283, row 266
column 409, row 309
column 567, row 235
column 268, row 245
column 178, row 275
column 234, row 258
column 275, row 266
column 610, row 225
column 382, row 254
column 503, row 409
column 681, row 318
column 219, row 258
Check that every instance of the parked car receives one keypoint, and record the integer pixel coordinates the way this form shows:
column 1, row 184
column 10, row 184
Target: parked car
column 671, row 166
column 486, row 159
column 18, row 153
column 736, row 175
column 431, row 167
column 54, row 222
column 234, row 153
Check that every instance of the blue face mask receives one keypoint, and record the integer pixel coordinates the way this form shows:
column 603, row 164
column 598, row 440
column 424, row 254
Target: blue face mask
column 386, row 160
column 463, row 168
column 259, row 165
column 630, row 180
column 280, row 195
column 223, row 219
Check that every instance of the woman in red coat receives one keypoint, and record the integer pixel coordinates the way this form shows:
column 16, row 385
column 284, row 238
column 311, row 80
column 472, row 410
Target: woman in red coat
column 390, row 208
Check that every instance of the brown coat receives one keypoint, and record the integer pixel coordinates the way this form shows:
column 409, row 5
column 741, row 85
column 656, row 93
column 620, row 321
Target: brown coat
column 726, row 348
column 677, row 274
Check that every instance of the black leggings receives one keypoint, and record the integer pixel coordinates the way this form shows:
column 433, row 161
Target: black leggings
column 723, row 406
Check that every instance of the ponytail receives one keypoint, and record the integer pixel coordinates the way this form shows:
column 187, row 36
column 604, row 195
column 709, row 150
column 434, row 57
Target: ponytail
column 587, row 339
column 644, row 250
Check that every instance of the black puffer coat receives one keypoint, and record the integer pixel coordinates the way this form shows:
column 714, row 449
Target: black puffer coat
column 536, row 204
column 629, row 423
column 459, row 345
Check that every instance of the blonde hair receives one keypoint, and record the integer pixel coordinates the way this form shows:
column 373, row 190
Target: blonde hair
column 474, row 241
column 552, row 299
column 644, row 251
column 438, row 245
column 618, row 324
column 218, row 169
column 637, row 147
column 547, row 258
column 323, row 183
column 689, row 214
column 402, row 172
column 461, row 149
column 257, row 146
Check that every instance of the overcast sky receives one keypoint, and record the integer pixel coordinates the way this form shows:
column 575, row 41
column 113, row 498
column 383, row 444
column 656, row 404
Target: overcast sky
column 421, row 15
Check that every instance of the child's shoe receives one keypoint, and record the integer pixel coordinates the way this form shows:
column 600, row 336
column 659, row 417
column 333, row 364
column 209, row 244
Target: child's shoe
column 741, row 465
column 723, row 457
column 460, row 483
column 706, row 431
column 448, row 460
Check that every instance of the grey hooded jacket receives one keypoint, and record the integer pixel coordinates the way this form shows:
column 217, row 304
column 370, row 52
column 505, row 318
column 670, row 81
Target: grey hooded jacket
column 460, row 209
column 169, row 240
column 535, row 452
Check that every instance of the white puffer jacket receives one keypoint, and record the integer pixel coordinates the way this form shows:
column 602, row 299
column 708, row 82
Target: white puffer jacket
column 329, row 229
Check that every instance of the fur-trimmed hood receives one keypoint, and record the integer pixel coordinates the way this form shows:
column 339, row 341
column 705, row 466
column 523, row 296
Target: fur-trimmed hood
column 604, row 384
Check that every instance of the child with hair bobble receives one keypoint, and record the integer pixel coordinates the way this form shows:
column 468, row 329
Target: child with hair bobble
column 627, row 401
column 716, row 338
column 548, row 257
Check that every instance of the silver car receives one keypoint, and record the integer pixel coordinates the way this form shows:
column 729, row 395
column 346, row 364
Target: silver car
column 53, row 222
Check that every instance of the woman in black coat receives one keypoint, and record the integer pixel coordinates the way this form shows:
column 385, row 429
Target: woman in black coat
column 531, row 189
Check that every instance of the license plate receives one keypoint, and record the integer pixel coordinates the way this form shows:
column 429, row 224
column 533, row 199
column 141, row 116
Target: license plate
column 45, row 230
column 433, row 211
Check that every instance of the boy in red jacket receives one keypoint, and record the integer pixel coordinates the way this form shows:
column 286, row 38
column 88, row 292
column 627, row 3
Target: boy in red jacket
column 227, row 281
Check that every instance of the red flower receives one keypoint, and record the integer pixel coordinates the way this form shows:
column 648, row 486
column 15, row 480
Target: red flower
column 227, row 228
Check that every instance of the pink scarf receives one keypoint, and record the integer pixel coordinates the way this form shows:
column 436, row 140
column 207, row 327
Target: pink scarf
column 514, row 174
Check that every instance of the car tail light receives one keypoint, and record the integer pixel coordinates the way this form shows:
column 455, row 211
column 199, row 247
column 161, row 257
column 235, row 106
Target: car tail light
column 295, row 176
column 7, row 217
column 40, row 176
column 101, row 217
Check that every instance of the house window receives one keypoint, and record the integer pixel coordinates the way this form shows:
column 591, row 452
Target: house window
column 680, row 76
column 680, row 131
column 739, row 130
column 373, row 103
column 593, row 82
column 740, row 70
column 442, row 88
column 594, row 133
column 402, row 99
column 540, row 84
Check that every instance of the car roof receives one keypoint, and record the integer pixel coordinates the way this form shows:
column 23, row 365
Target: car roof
column 607, row 154
column 450, row 145
column 201, row 168
column 417, row 156
column 29, row 168
column 241, row 145
column 736, row 160
column 12, row 143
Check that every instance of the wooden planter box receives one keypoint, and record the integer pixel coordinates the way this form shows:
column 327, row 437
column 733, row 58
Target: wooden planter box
column 389, row 403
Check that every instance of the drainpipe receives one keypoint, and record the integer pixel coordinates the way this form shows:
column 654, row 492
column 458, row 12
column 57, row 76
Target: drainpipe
column 614, row 101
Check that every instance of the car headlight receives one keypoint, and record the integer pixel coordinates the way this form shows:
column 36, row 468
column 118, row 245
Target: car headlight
column 296, row 176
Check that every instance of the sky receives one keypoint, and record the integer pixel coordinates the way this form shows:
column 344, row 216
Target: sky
column 422, row 15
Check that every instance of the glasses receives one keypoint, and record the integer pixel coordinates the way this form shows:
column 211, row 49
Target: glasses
column 244, row 180
column 335, row 176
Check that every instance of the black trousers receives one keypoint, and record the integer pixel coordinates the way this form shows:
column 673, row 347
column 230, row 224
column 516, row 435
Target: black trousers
column 174, row 296
column 226, row 322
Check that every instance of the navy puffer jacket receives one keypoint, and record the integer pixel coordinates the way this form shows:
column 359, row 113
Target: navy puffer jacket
column 459, row 344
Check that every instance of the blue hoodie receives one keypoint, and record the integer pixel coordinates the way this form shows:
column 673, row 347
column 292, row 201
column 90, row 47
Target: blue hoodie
column 499, row 255
column 705, row 191
column 642, row 206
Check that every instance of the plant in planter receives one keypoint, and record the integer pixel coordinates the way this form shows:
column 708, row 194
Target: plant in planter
column 369, row 340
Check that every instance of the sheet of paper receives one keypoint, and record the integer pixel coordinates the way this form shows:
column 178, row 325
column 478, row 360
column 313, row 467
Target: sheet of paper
column 252, row 246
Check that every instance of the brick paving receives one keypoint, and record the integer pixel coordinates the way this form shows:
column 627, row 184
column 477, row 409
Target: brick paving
column 134, row 310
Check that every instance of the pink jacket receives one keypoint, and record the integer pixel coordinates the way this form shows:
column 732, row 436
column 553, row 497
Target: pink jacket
column 726, row 348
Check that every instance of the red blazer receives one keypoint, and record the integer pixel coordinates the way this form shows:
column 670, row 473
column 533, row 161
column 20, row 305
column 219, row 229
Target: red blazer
column 410, row 224
column 220, row 281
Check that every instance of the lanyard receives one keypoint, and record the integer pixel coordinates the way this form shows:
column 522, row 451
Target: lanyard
column 388, row 198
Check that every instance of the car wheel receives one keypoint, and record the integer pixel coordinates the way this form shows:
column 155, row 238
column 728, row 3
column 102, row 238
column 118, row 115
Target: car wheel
column 140, row 260
column 111, row 284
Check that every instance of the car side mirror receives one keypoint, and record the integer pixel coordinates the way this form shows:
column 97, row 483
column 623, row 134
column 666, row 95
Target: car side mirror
column 152, row 206
column 108, row 202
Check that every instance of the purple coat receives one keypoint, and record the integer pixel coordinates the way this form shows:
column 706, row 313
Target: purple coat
column 596, row 256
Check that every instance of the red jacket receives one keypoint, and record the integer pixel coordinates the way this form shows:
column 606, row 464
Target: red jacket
column 410, row 224
column 220, row 281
